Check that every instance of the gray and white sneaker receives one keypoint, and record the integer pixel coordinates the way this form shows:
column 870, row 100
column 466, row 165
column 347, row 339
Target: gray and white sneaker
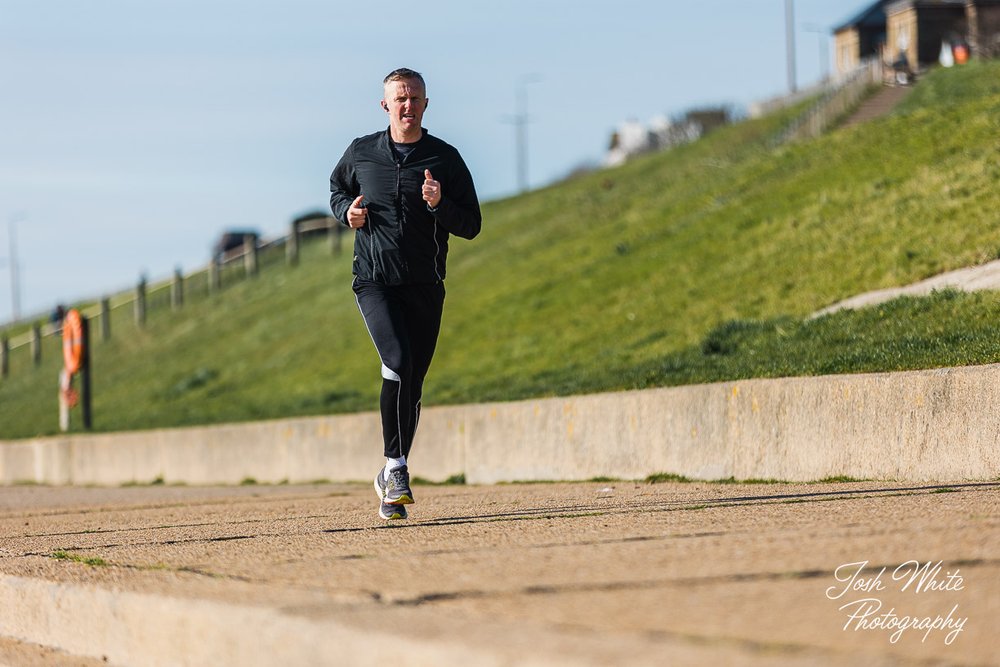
column 396, row 489
column 390, row 512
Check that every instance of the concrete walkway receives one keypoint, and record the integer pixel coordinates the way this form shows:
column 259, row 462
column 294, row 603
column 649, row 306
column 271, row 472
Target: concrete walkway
column 878, row 105
column 600, row 573
column 969, row 279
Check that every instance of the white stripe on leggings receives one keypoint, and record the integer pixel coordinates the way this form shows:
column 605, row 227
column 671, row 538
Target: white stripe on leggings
column 387, row 373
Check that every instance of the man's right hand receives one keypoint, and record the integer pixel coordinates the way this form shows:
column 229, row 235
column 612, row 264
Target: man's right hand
column 356, row 214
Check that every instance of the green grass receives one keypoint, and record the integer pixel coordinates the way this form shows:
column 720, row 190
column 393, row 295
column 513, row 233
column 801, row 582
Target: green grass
column 453, row 480
column 947, row 328
column 156, row 481
column 695, row 265
column 77, row 558
column 665, row 477
column 839, row 479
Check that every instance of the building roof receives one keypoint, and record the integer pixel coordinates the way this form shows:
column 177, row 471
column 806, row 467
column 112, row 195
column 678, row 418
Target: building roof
column 899, row 5
column 871, row 16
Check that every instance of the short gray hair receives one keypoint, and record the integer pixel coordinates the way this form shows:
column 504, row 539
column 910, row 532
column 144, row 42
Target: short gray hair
column 404, row 73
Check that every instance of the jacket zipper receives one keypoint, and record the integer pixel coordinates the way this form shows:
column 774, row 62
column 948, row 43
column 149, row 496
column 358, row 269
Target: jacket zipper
column 399, row 199
column 371, row 242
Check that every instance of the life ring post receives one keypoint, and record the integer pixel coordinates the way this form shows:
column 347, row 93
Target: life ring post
column 85, row 375
column 76, row 361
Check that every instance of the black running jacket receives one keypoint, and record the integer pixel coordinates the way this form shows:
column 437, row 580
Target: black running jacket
column 404, row 241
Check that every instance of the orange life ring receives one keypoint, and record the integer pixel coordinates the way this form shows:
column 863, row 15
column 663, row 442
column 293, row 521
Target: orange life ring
column 72, row 341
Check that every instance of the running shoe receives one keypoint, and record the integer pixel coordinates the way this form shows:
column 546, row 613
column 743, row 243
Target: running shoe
column 390, row 512
column 396, row 489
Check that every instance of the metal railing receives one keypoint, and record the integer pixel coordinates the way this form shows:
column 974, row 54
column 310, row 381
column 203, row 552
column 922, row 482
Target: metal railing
column 834, row 103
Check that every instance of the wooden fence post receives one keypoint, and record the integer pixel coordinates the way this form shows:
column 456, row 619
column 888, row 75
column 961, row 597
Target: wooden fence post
column 140, row 303
column 105, row 319
column 177, row 290
column 292, row 245
column 214, row 277
column 334, row 232
column 250, row 255
column 4, row 357
column 36, row 344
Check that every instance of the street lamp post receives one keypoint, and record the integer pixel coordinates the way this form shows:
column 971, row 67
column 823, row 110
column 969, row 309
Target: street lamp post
column 790, row 43
column 824, row 57
column 520, row 122
column 15, row 278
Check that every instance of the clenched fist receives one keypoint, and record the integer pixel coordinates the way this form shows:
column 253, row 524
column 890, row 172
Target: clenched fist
column 356, row 214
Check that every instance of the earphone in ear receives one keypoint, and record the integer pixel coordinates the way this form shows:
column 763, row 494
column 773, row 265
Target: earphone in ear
column 385, row 106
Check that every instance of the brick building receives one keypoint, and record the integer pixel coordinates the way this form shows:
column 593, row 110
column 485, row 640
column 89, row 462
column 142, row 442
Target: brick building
column 914, row 29
column 861, row 37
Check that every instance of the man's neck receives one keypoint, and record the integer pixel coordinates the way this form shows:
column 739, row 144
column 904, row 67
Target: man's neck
column 409, row 138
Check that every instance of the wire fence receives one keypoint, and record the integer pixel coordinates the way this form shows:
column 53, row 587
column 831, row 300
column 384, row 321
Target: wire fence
column 110, row 313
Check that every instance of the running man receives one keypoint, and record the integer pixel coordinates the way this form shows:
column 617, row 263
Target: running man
column 404, row 192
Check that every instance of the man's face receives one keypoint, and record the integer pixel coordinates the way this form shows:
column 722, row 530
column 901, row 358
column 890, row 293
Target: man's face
column 405, row 102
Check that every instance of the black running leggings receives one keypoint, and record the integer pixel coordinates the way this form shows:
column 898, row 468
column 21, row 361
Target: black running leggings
column 403, row 321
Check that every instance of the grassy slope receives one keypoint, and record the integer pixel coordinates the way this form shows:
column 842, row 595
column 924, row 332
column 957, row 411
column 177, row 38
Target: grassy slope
column 692, row 265
column 615, row 277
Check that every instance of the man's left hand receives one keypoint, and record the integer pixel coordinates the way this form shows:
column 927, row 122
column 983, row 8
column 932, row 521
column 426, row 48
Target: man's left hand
column 431, row 190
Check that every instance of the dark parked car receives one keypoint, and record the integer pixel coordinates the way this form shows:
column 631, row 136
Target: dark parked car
column 230, row 244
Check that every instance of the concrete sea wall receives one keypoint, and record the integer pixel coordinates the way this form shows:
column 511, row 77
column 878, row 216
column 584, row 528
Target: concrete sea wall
column 936, row 425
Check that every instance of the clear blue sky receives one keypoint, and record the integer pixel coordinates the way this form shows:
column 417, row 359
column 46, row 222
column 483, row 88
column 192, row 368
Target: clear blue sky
column 134, row 132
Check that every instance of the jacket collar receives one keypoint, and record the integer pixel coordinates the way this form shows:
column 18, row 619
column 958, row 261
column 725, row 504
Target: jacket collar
column 387, row 137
